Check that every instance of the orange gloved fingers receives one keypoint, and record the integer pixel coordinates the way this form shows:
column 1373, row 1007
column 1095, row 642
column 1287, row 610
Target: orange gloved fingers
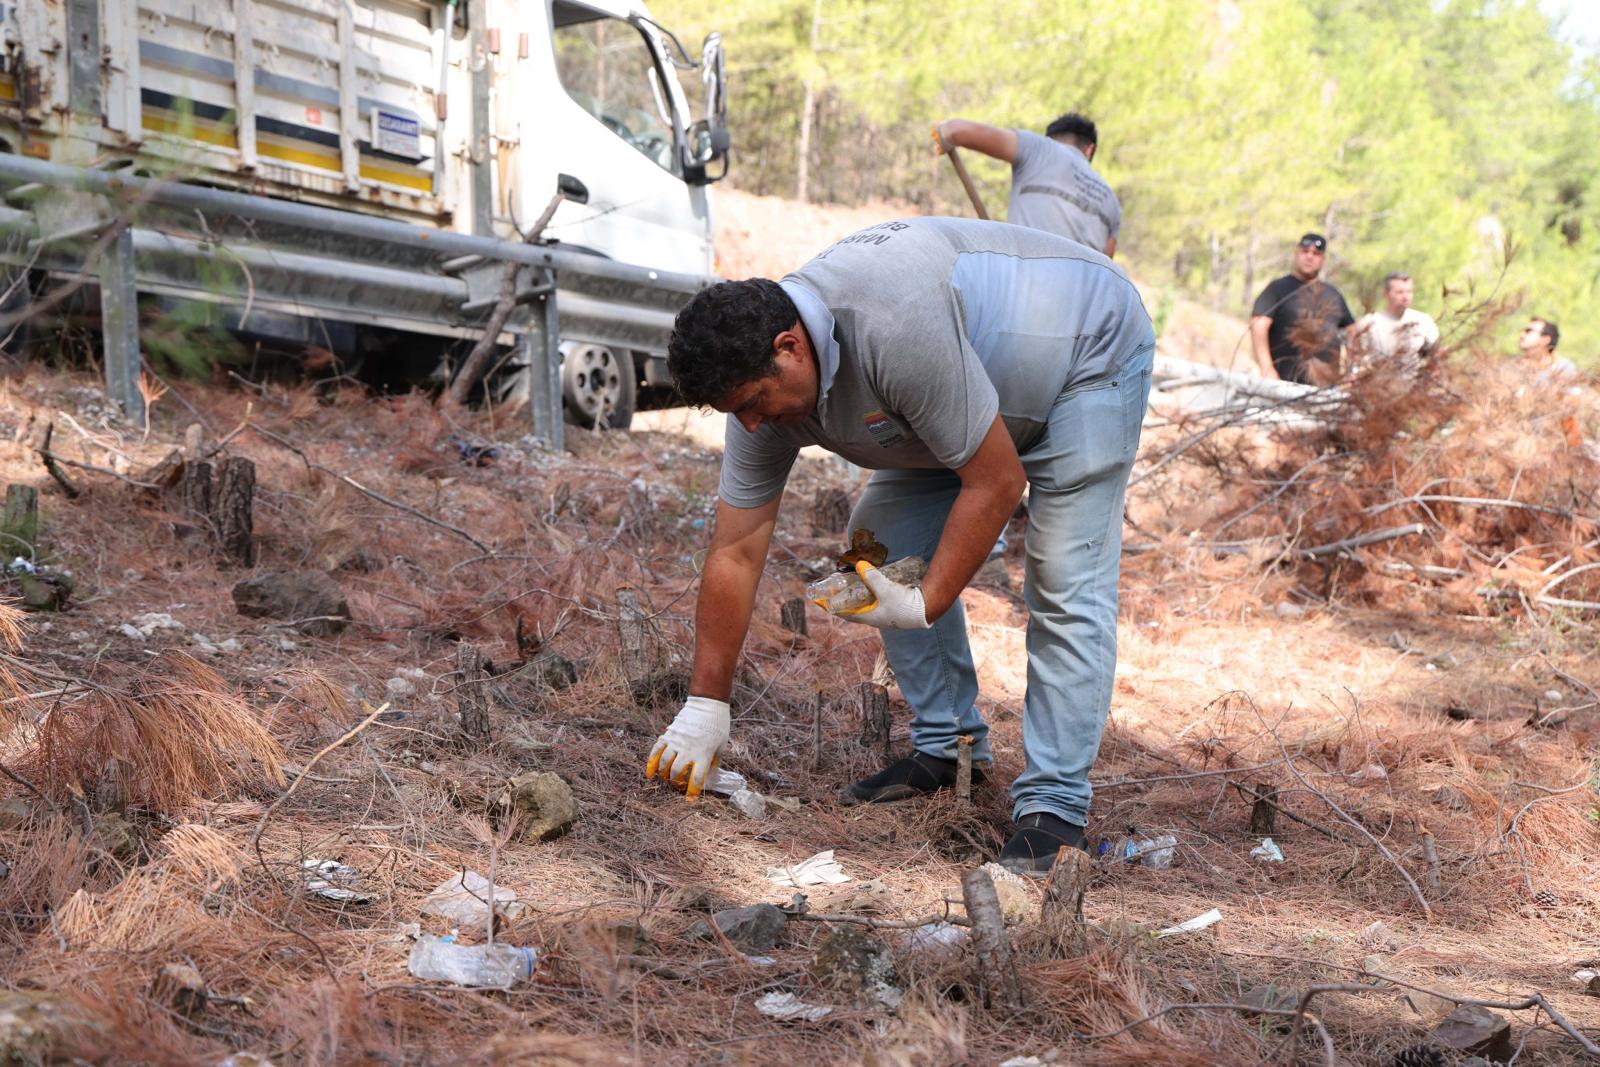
column 697, row 781
column 862, row 567
column 938, row 142
column 654, row 763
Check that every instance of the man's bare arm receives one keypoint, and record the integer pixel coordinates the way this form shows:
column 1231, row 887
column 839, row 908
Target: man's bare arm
column 993, row 141
column 991, row 484
column 1259, row 325
column 728, row 594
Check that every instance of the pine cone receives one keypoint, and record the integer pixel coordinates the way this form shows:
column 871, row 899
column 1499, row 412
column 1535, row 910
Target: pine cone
column 1418, row 1056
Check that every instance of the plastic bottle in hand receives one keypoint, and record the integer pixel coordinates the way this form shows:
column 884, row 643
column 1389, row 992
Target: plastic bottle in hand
column 845, row 590
column 496, row 966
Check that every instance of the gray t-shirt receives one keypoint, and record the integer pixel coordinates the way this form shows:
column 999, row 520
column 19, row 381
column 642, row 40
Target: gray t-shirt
column 1054, row 189
column 926, row 329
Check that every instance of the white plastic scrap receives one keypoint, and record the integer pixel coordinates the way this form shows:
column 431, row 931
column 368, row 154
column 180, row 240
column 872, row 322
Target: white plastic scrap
column 936, row 938
column 1199, row 922
column 1023, row 1061
column 332, row 880
column 464, row 900
column 1583, row 977
column 151, row 621
column 821, row 869
column 1268, row 851
column 788, row 1007
column 725, row 783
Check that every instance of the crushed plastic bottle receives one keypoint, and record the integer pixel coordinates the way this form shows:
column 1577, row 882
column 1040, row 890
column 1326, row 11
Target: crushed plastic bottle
column 1153, row 852
column 845, row 590
column 497, row 966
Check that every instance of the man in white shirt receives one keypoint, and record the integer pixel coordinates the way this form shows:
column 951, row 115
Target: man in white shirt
column 1537, row 343
column 1397, row 333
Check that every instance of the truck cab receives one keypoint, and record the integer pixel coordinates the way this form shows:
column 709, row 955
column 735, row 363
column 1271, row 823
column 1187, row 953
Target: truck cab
column 464, row 115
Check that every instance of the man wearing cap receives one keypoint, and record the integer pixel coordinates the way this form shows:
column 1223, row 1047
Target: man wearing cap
column 961, row 360
column 1299, row 321
column 1397, row 335
column 1054, row 188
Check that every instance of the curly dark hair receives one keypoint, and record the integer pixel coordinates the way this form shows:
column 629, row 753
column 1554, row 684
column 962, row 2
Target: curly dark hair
column 1076, row 126
column 723, row 338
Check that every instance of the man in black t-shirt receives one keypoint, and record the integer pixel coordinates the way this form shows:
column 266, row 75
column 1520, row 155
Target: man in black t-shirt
column 1299, row 321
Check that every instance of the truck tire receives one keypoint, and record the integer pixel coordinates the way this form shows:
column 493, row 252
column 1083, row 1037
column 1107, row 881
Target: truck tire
column 598, row 386
column 16, row 295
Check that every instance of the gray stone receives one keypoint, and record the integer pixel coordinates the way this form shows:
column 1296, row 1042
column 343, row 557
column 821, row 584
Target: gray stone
column 752, row 929
column 855, row 963
column 311, row 598
column 543, row 800
column 1477, row 1031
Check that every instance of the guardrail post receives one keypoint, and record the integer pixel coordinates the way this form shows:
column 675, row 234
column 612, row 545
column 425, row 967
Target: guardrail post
column 119, row 326
column 542, row 339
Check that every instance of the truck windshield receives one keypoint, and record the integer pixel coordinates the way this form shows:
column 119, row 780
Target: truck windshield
column 607, row 67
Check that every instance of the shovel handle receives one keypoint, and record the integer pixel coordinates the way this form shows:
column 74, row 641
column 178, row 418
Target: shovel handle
column 966, row 181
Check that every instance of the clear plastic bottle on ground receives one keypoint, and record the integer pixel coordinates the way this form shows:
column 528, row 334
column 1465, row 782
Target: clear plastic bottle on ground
column 845, row 590
column 496, row 966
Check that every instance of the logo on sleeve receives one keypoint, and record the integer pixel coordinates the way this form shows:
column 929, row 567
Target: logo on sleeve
column 882, row 429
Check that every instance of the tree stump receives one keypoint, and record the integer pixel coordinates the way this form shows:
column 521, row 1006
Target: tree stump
column 964, row 768
column 1263, row 814
column 830, row 514
column 872, row 702
column 792, row 616
column 472, row 698
column 996, row 978
column 233, row 510
column 20, row 524
column 194, row 499
column 633, row 630
column 1063, row 896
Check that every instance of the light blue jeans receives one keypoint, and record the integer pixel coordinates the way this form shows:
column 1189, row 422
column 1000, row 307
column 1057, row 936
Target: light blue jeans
column 1077, row 476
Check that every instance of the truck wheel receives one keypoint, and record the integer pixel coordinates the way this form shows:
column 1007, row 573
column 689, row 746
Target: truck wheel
column 16, row 296
column 597, row 385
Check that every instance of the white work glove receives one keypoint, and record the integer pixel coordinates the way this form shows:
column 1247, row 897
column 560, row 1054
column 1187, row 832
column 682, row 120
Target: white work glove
column 897, row 607
column 687, row 752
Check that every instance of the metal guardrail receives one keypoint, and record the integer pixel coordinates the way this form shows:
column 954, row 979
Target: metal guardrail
column 306, row 259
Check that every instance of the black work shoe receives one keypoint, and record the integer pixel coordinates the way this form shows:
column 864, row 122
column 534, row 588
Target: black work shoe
column 1032, row 849
column 918, row 775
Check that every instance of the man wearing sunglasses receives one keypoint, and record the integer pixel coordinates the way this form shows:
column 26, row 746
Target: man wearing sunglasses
column 1537, row 343
column 1299, row 322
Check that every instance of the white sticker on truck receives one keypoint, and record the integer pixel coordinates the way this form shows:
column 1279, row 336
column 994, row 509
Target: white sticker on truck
column 397, row 134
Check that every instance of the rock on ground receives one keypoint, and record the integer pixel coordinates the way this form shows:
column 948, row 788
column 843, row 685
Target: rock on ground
column 543, row 800
column 311, row 596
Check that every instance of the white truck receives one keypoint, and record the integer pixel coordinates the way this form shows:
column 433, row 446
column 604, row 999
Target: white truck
column 354, row 174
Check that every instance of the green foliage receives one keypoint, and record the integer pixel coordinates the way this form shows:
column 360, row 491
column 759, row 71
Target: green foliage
column 1429, row 136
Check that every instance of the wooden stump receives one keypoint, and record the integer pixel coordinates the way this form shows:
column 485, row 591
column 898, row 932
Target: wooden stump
column 792, row 616
column 194, row 498
column 472, row 698
column 830, row 514
column 964, row 768
column 1263, row 814
column 233, row 510
column 872, row 702
column 633, row 631
column 20, row 524
column 1063, row 896
column 996, row 977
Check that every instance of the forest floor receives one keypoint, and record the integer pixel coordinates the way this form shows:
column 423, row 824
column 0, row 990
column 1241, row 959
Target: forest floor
column 1424, row 709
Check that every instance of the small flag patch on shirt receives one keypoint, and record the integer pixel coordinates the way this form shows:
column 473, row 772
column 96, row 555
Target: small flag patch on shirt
column 882, row 429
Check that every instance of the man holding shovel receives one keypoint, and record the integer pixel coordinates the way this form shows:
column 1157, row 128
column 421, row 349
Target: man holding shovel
column 1054, row 186
column 961, row 360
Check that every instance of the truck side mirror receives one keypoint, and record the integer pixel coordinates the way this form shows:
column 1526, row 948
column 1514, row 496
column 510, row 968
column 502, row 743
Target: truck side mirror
column 572, row 188
column 708, row 138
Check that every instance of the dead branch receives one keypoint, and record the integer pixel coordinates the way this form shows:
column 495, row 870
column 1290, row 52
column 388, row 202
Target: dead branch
column 477, row 361
column 41, row 444
column 1479, row 502
column 879, row 924
column 255, row 838
column 1271, row 801
column 1249, row 1009
column 372, row 494
column 1333, row 806
column 1122, row 782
